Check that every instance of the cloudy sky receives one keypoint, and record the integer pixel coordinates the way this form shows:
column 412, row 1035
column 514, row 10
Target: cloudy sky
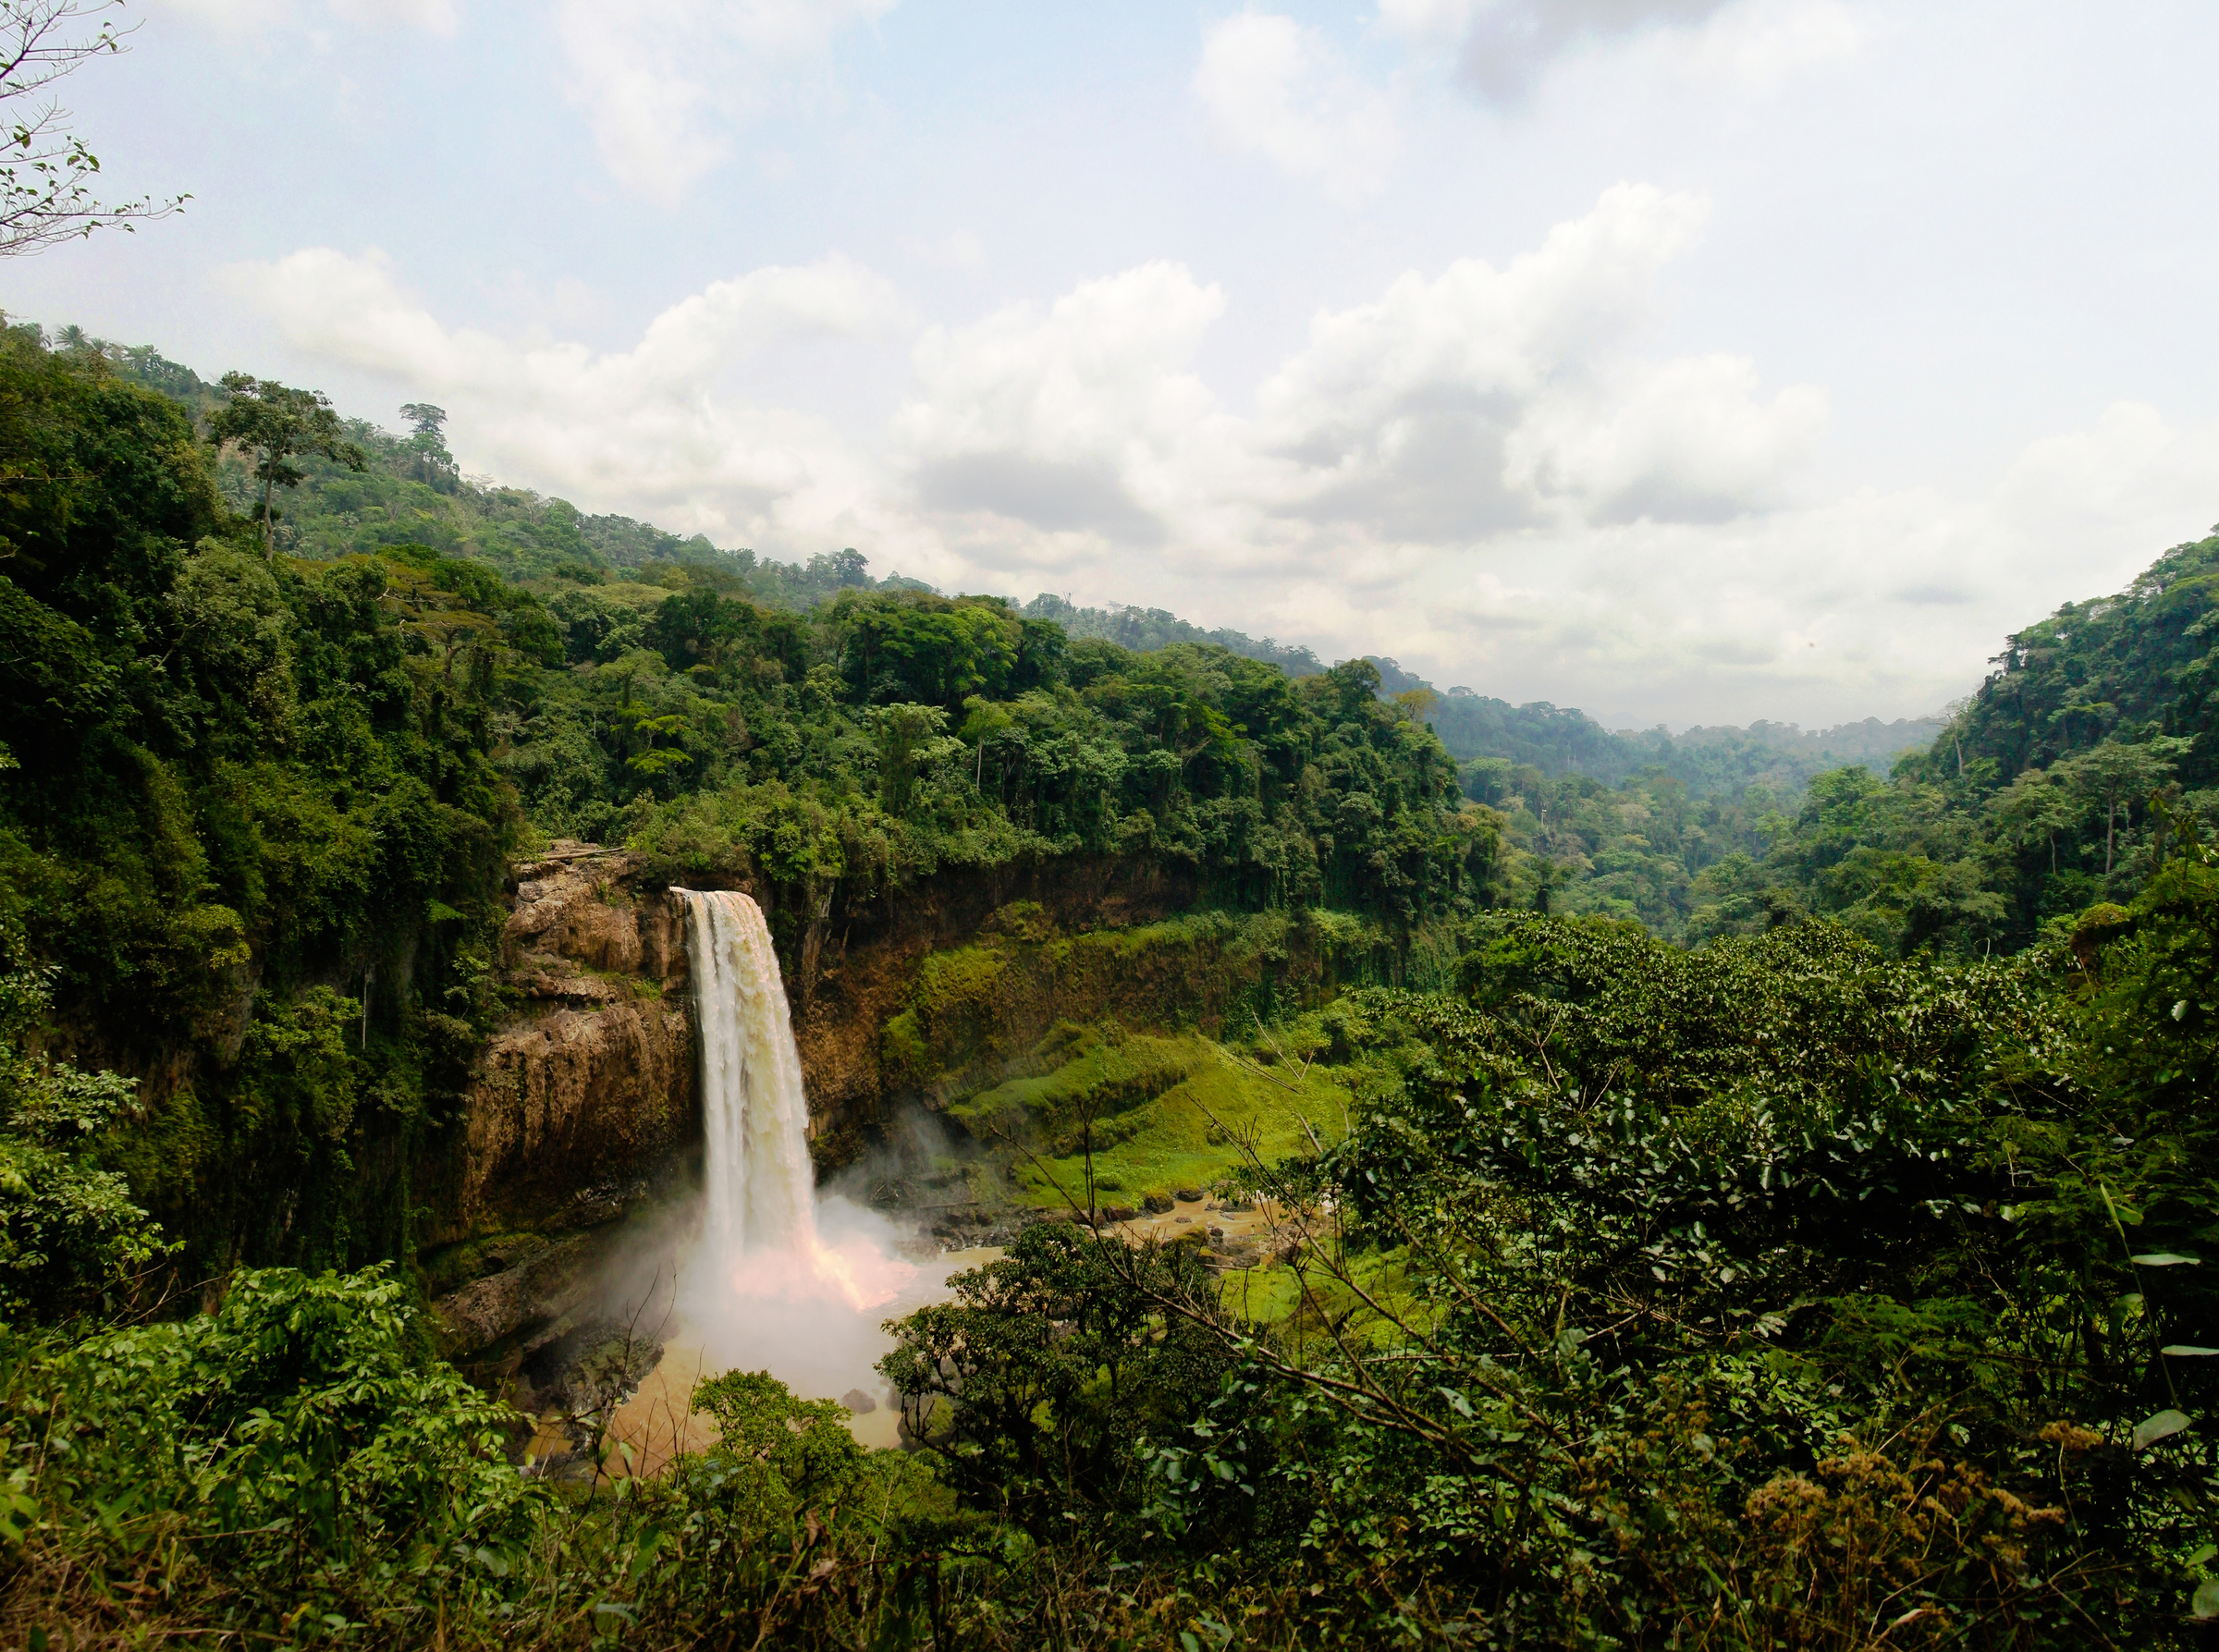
column 1681, row 359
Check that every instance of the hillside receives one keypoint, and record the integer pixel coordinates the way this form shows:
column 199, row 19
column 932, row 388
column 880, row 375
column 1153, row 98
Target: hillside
column 1711, row 831
column 260, row 805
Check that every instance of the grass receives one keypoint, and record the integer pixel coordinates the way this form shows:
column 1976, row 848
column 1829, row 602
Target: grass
column 1167, row 1112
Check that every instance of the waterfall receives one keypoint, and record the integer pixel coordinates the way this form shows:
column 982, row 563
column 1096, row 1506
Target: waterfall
column 760, row 1228
column 760, row 1184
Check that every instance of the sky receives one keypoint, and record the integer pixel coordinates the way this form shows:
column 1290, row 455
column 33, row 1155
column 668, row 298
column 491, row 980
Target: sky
column 1684, row 360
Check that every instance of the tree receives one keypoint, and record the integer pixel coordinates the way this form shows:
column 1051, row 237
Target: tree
column 68, row 1229
column 2037, row 805
column 908, row 734
column 429, row 425
column 276, row 425
column 2114, row 775
column 45, row 194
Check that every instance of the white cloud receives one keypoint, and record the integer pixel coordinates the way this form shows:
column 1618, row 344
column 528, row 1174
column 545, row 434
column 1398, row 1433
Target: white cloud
column 1431, row 20
column 1760, row 43
column 1503, row 48
column 1484, row 399
column 1450, row 412
column 1275, row 87
column 2129, row 481
column 434, row 17
column 662, row 82
column 958, row 249
column 1688, row 440
column 646, row 428
column 1085, row 419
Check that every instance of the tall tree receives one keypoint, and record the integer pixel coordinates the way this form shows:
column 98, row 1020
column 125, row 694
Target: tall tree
column 2113, row 774
column 428, row 425
column 2036, row 806
column 45, row 176
column 273, row 424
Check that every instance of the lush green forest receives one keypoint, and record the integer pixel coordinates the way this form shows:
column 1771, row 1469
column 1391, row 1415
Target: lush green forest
column 1815, row 1262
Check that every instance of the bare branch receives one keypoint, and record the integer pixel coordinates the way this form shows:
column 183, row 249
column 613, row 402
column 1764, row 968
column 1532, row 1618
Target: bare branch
column 46, row 171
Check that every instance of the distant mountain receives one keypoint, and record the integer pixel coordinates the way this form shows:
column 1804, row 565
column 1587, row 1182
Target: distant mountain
column 1478, row 730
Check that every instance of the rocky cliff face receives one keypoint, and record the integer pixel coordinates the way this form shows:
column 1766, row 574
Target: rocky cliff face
column 584, row 1100
column 863, row 968
column 583, row 1106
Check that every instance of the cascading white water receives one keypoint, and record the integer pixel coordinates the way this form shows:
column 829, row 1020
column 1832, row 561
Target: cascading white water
column 760, row 1230
column 755, row 1112
column 776, row 1279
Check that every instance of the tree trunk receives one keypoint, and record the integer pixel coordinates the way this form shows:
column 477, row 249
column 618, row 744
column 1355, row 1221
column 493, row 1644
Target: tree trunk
column 2111, row 820
column 269, row 543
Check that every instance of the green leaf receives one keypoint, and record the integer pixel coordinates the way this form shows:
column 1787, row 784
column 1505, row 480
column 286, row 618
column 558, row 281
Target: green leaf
column 2164, row 1426
column 2182, row 1351
column 2206, row 1603
column 2165, row 1259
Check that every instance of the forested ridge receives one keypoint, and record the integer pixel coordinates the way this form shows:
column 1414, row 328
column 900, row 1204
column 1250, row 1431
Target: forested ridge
column 1815, row 1262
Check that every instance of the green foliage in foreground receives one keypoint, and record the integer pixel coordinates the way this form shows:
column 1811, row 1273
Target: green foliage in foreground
column 1776, row 1294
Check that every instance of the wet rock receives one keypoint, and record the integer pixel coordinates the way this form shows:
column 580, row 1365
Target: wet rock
column 1119, row 1213
column 485, row 1311
column 1190, row 1195
column 861, row 1403
column 1155, row 1204
column 561, row 1103
column 577, row 904
column 589, row 1370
